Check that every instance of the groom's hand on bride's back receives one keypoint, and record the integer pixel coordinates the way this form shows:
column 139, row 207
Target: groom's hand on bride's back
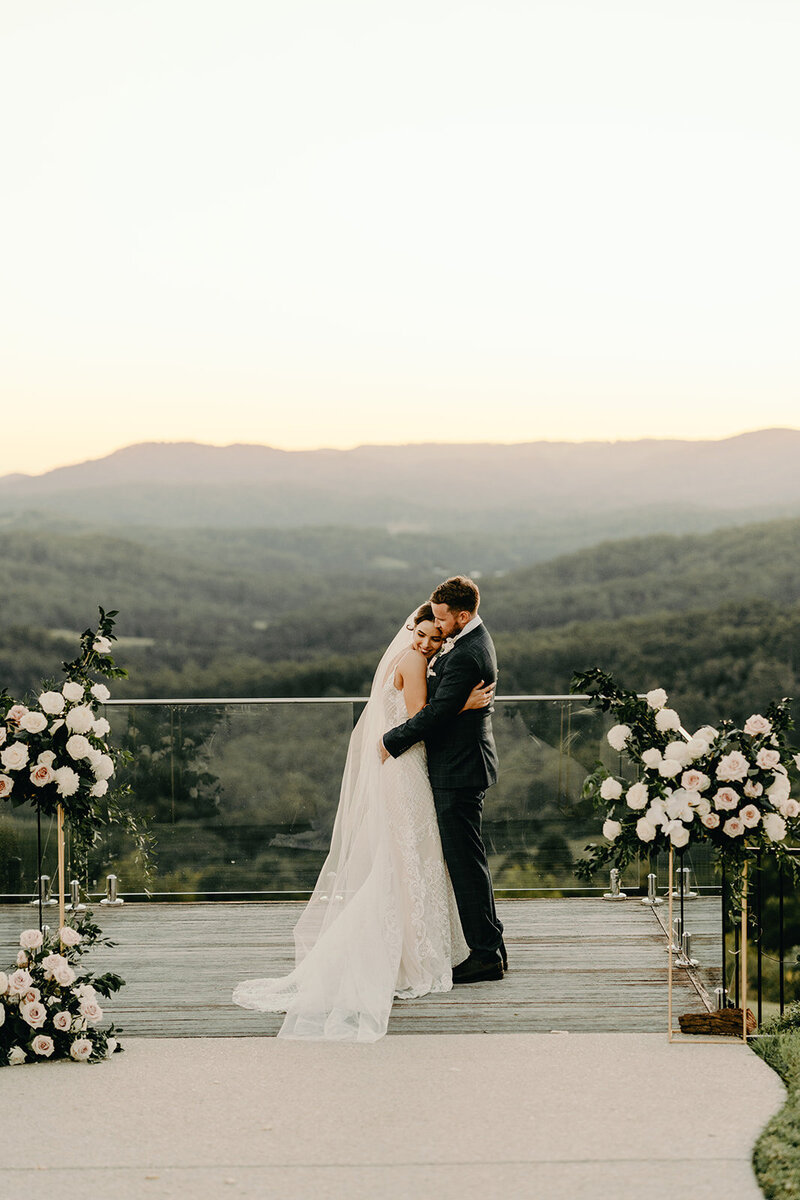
column 384, row 753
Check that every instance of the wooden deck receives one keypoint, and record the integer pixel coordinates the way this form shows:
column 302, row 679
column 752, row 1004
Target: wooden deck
column 574, row 964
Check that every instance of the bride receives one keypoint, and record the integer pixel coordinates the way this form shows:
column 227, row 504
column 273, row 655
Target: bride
column 382, row 920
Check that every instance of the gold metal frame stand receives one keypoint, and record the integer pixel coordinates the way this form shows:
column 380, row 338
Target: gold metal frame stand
column 689, row 1039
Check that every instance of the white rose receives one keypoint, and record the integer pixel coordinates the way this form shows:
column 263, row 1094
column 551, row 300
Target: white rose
column 652, row 758
column 31, row 939
column 695, row 781
column 617, row 736
column 767, row 759
column 41, row 775
column 669, row 768
column 637, row 796
column 3, row 983
column 101, row 645
column 99, row 789
column 72, row 691
column 69, row 936
column 645, row 830
column 655, row 813
column 734, row 827
column 774, row 827
column 657, row 698
column 752, row 789
column 757, row 726
column 84, row 991
column 678, row 806
column 611, row 829
column 101, row 692
column 611, row 789
column 789, row 808
column 34, row 1014
column 92, row 1011
column 750, row 816
column 733, row 766
column 710, row 820
column 15, row 756
column 104, row 767
column 42, row 1045
column 67, row 781
column 101, row 728
column 52, row 703
column 62, row 1020
column 678, row 833
column 19, row 982
column 700, row 804
column 46, row 758
column 64, row 976
column 78, row 746
column 81, row 1050
column 80, row 719
column 16, row 713
column 6, row 786
column 16, row 1056
column 677, row 750
column 33, row 722
column 666, row 719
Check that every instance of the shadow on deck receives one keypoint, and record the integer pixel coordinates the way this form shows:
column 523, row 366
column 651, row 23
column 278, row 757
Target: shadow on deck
column 580, row 965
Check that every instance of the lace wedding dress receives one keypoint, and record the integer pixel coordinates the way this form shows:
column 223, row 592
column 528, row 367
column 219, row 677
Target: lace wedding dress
column 382, row 921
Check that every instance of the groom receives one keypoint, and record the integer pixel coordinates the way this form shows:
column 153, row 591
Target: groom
column 462, row 763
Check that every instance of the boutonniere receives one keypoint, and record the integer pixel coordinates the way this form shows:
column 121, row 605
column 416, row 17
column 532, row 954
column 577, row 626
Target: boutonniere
column 447, row 646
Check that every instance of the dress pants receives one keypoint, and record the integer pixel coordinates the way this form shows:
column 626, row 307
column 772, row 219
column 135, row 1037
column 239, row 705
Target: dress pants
column 459, row 812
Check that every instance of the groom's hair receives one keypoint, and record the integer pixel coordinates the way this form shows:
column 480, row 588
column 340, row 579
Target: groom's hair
column 460, row 594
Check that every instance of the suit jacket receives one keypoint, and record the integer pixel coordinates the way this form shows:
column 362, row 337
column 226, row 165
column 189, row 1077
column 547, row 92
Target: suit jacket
column 460, row 745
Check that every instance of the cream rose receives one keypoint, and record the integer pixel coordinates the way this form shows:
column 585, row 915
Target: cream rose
column 78, row 746
column 757, row 726
column 734, row 827
column 33, row 722
column 645, row 830
column 100, row 692
column 19, row 982
column 710, row 820
column 69, row 936
column 104, row 767
column 637, row 796
column 651, row 758
column 767, row 759
column 774, row 827
column 92, row 1011
column 52, row 703
column 31, row 939
column 46, row 758
column 42, row 1045
column 657, row 698
column 611, row 789
column 64, row 976
column 733, row 766
column 72, row 691
column 15, row 756
column 611, row 829
column 101, row 645
column 726, row 798
column 41, row 775
column 16, row 1056
column 6, row 786
column 34, row 1014
column 81, row 1050
column 750, row 816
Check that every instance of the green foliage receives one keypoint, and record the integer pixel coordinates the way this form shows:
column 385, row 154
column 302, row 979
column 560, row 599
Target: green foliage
column 776, row 1156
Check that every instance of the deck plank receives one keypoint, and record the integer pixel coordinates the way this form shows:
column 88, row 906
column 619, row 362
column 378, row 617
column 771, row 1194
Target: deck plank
column 575, row 964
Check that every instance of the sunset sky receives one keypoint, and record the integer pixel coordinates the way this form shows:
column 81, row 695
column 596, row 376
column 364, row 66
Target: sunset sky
column 329, row 222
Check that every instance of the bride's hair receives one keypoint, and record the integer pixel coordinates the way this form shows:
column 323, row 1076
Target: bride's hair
column 423, row 613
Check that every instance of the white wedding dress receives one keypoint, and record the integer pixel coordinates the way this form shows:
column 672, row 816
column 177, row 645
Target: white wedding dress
column 382, row 920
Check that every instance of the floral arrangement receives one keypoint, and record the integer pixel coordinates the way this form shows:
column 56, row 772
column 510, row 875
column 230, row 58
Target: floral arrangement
column 54, row 749
column 48, row 1007
column 730, row 787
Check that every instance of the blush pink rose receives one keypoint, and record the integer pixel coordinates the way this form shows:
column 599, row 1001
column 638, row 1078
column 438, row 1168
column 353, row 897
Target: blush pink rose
column 42, row 1045
column 81, row 1050
column 733, row 766
column 726, row 798
column 62, row 1021
column 34, row 1014
column 767, row 759
column 757, row 726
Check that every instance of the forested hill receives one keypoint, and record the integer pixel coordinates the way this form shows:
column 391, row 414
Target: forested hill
column 715, row 615
column 608, row 487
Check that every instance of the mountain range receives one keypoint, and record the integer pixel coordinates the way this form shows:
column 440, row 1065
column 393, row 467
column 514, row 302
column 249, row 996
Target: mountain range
column 594, row 489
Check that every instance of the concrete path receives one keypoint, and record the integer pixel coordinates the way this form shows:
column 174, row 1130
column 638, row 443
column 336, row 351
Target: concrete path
column 583, row 1116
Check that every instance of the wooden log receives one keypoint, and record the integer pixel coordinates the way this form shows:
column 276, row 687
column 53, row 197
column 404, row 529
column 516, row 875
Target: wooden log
column 725, row 1021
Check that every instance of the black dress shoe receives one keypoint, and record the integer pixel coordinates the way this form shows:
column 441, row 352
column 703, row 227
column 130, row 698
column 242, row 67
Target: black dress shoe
column 477, row 970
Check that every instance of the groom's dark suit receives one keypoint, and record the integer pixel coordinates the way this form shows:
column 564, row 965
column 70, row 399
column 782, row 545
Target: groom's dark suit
column 462, row 763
